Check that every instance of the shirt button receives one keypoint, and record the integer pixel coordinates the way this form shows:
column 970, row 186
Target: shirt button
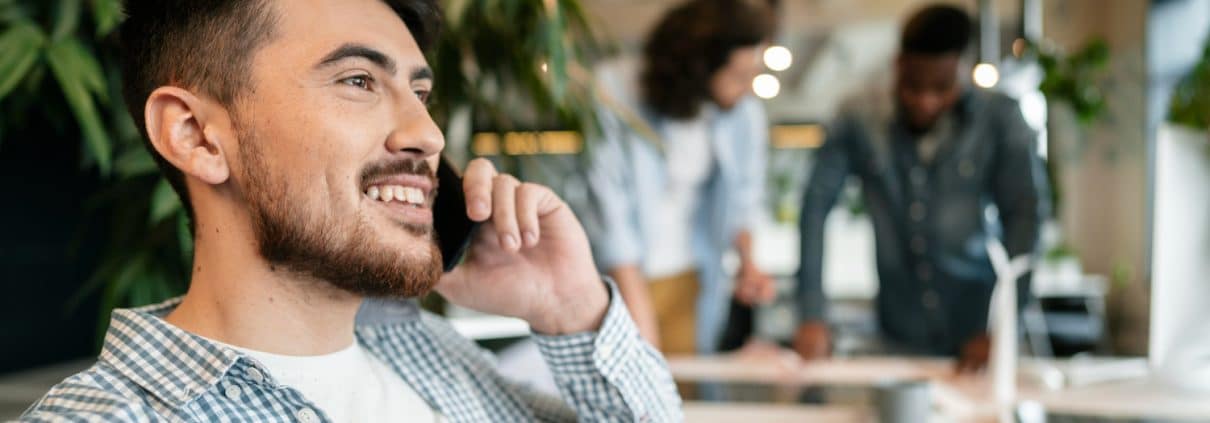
column 930, row 300
column 306, row 415
column 919, row 245
column 255, row 375
column 232, row 392
column 925, row 272
column 917, row 211
column 606, row 351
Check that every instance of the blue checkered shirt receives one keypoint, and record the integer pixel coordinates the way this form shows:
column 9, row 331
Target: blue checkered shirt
column 150, row 370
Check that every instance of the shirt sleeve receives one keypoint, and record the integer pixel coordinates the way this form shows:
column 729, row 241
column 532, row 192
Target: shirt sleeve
column 750, row 193
column 827, row 179
column 612, row 374
column 607, row 210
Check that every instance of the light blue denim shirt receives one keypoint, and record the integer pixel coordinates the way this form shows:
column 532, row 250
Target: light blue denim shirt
column 627, row 176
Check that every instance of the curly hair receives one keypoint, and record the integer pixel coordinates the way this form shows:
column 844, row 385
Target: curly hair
column 937, row 30
column 692, row 42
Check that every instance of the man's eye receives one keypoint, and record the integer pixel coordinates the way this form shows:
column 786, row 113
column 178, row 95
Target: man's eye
column 423, row 95
column 359, row 81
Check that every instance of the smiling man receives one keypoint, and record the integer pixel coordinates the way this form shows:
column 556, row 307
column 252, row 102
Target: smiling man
column 297, row 135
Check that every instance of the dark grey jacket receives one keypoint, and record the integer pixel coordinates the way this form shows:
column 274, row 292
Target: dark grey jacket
column 931, row 219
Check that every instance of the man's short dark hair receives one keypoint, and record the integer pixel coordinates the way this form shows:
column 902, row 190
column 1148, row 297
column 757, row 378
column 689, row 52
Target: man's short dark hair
column 207, row 46
column 690, row 44
column 937, row 30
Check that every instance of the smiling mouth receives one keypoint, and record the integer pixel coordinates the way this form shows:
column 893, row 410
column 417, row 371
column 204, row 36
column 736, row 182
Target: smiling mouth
column 404, row 204
column 404, row 195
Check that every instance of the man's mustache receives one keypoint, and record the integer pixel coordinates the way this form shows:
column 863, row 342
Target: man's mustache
column 400, row 167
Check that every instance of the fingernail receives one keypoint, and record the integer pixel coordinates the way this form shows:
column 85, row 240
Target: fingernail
column 480, row 206
column 531, row 239
column 509, row 242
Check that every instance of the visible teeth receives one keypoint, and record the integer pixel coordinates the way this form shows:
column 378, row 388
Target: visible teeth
column 388, row 193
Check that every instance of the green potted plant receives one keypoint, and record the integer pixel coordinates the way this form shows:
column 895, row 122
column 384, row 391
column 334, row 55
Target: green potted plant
column 1072, row 83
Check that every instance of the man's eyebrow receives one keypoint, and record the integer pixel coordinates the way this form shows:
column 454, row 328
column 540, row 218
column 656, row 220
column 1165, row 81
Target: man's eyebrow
column 347, row 51
column 423, row 72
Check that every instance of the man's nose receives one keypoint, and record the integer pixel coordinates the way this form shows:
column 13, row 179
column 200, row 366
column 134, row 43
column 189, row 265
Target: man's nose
column 928, row 104
column 415, row 132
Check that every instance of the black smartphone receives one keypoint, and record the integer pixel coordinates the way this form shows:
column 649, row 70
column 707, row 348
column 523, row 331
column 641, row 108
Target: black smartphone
column 454, row 229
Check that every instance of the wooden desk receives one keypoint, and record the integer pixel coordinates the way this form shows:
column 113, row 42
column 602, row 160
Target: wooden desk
column 966, row 397
column 788, row 371
column 710, row 412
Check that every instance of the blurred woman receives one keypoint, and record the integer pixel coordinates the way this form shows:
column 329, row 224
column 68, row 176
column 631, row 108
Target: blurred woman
column 677, row 176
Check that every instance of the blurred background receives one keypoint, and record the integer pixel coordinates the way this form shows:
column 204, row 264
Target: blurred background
column 1113, row 88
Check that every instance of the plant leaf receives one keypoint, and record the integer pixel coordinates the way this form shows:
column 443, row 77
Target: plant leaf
column 556, row 54
column 107, row 14
column 85, row 63
column 134, row 162
column 118, row 288
column 67, row 18
column 10, row 11
column 21, row 44
column 184, row 236
column 76, row 92
column 164, row 202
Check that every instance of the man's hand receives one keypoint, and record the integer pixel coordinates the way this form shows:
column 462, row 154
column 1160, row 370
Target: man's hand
column 530, row 258
column 974, row 355
column 813, row 340
column 753, row 286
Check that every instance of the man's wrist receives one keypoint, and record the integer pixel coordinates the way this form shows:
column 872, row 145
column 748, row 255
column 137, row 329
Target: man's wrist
column 585, row 315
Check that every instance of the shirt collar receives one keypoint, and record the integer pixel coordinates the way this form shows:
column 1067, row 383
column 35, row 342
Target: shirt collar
column 166, row 361
column 177, row 366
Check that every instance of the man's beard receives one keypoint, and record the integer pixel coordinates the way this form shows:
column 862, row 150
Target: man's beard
column 346, row 252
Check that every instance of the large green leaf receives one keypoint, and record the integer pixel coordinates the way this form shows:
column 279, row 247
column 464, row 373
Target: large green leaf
column 134, row 162
column 184, row 237
column 10, row 11
column 86, row 66
column 67, row 19
column 61, row 55
column 107, row 14
column 164, row 202
column 556, row 54
column 20, row 44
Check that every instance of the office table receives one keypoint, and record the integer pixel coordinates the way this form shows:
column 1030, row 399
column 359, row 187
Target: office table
column 710, row 412
column 961, row 397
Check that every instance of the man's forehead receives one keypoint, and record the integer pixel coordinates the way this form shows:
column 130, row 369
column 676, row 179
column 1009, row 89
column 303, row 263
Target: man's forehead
column 314, row 27
column 928, row 66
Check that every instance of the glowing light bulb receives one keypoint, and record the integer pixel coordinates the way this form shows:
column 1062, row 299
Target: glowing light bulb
column 778, row 58
column 986, row 75
column 766, row 86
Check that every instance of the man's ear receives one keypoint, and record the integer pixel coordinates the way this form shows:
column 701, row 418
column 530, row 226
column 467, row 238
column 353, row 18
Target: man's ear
column 180, row 128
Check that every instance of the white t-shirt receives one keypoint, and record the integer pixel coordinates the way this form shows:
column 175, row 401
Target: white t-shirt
column 350, row 385
column 689, row 157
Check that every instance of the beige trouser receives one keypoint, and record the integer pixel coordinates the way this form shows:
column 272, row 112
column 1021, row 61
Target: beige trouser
column 675, row 301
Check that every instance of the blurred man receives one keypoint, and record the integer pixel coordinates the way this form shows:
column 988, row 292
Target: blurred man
column 297, row 135
column 931, row 166
column 665, row 205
